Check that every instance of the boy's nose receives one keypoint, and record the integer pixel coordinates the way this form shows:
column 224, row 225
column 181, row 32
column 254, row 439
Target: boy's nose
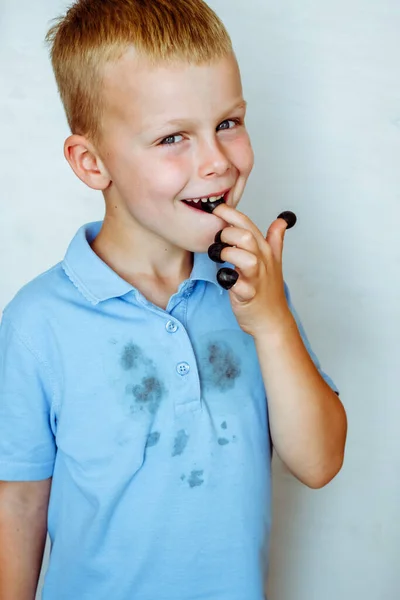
column 212, row 160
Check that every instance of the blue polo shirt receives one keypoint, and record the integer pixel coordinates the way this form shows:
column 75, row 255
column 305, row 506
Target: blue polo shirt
column 153, row 424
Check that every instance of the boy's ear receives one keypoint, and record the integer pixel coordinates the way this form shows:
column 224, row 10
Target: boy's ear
column 86, row 163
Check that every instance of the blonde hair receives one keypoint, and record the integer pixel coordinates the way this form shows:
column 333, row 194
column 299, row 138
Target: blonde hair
column 96, row 32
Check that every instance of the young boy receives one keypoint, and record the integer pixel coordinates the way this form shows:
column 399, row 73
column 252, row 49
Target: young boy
column 133, row 387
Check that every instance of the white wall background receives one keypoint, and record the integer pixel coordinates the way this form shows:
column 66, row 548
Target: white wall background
column 323, row 84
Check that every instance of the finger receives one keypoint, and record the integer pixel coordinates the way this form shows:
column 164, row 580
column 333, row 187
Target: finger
column 276, row 237
column 247, row 263
column 242, row 238
column 243, row 290
column 237, row 219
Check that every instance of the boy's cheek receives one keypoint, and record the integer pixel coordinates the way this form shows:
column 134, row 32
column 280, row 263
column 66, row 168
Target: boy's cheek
column 244, row 155
column 173, row 173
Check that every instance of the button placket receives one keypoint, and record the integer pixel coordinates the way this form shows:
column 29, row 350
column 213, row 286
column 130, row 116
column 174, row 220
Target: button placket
column 187, row 382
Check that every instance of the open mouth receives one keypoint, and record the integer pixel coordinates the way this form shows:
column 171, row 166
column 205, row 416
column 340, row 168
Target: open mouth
column 207, row 204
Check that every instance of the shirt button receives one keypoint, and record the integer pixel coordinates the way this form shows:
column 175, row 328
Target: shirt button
column 183, row 368
column 189, row 291
column 171, row 327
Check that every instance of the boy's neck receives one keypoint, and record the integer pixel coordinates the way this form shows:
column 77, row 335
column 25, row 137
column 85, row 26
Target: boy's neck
column 145, row 262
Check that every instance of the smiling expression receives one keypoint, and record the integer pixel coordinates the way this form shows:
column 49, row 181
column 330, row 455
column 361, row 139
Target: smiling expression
column 173, row 136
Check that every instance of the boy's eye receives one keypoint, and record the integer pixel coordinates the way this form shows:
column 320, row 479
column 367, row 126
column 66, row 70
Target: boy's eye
column 228, row 124
column 171, row 140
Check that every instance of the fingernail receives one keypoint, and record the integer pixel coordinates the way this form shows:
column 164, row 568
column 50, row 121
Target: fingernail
column 289, row 217
column 227, row 278
column 218, row 237
column 214, row 251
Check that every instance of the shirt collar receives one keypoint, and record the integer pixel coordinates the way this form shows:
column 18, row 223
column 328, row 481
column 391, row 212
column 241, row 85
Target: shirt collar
column 98, row 282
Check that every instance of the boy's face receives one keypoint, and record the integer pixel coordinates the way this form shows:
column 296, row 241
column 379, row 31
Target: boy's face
column 173, row 133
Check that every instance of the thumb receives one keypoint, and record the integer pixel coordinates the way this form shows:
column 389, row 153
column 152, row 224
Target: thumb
column 276, row 232
column 275, row 238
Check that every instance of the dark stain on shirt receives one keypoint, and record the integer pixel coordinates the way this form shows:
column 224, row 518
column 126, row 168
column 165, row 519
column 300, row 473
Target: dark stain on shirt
column 180, row 443
column 224, row 425
column 153, row 439
column 131, row 354
column 148, row 394
column 223, row 366
column 195, row 479
column 223, row 441
column 131, row 357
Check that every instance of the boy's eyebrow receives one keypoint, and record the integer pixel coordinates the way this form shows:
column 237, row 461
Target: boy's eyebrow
column 181, row 122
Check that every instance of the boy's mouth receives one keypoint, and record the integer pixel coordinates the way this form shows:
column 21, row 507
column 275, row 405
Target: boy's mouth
column 207, row 204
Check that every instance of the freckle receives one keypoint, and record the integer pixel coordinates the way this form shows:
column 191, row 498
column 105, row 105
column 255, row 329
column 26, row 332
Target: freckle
column 223, row 441
column 224, row 425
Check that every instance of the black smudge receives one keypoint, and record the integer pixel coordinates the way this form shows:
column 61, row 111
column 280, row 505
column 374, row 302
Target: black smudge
column 195, row 479
column 223, row 441
column 224, row 425
column 131, row 355
column 223, row 366
column 180, row 442
column 145, row 387
column 153, row 439
column 148, row 393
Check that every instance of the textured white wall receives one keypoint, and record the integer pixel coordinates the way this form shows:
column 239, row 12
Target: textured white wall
column 323, row 86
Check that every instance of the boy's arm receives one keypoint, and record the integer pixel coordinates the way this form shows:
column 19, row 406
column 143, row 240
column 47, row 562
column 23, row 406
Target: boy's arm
column 307, row 420
column 23, row 529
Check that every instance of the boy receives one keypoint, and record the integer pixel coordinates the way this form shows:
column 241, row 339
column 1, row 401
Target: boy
column 133, row 386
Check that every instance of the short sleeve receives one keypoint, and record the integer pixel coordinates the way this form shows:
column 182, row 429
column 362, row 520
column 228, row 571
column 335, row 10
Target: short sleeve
column 27, row 444
column 307, row 343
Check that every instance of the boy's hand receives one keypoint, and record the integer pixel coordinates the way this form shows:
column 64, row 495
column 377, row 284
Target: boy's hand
column 258, row 297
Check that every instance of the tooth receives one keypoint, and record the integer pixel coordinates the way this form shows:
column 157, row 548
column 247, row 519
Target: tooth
column 204, row 199
column 213, row 198
column 196, row 200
